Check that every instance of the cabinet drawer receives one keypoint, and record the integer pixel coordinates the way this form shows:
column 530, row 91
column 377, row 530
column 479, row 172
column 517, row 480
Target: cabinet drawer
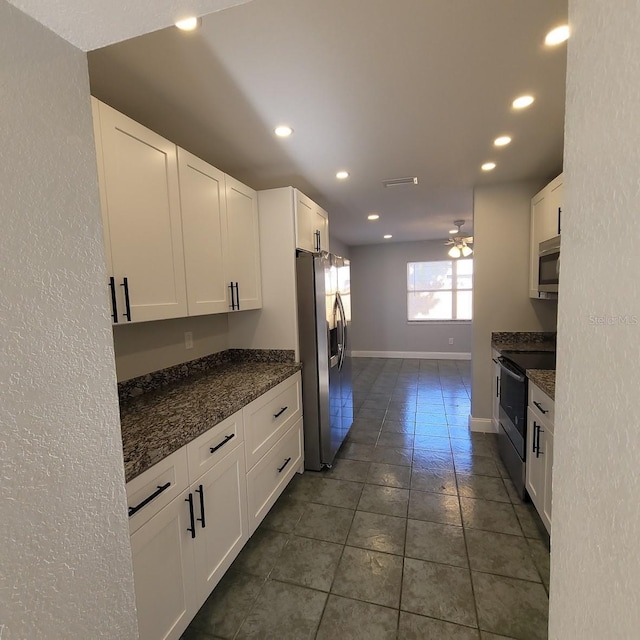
column 156, row 487
column 267, row 480
column 213, row 445
column 541, row 404
column 268, row 417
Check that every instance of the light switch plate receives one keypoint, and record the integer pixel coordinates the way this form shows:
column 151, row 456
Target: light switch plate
column 188, row 339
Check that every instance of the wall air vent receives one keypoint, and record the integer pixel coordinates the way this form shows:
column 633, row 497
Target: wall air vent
column 396, row 182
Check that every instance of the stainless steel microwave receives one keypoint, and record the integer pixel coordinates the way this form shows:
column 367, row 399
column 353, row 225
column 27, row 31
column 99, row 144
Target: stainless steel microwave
column 549, row 265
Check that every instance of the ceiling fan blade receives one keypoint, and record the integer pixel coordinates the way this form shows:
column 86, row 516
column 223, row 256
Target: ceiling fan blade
column 469, row 240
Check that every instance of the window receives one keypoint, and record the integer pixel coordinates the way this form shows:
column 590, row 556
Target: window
column 439, row 290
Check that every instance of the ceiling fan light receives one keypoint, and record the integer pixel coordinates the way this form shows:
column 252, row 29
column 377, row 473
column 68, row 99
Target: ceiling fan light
column 454, row 252
column 454, row 230
column 466, row 251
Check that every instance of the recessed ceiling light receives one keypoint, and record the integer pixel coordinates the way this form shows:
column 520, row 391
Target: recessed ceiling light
column 387, row 236
column 342, row 175
column 557, row 35
column 188, row 24
column 523, row 102
column 283, row 131
column 373, row 216
column 488, row 166
column 502, row 141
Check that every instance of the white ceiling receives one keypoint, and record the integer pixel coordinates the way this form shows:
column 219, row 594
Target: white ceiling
column 89, row 24
column 382, row 89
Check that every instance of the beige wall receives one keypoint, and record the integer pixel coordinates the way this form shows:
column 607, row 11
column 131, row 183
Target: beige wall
column 595, row 565
column 149, row 346
column 379, row 289
column 65, row 556
column 501, row 217
column 338, row 247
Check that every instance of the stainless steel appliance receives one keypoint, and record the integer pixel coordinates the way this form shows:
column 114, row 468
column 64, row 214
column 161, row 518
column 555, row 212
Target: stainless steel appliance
column 549, row 265
column 512, row 435
column 324, row 322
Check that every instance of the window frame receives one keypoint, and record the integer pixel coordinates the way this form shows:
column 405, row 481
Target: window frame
column 454, row 290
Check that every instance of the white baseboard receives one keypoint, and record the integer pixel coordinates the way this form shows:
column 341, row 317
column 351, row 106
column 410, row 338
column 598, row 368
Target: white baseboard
column 423, row 355
column 481, row 425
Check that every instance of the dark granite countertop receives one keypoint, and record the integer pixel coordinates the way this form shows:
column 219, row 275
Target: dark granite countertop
column 523, row 341
column 545, row 379
column 158, row 423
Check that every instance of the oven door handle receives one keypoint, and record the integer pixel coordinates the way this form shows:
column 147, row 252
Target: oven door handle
column 516, row 375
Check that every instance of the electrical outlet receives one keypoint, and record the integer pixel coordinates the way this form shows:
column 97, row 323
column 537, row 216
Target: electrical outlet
column 188, row 339
column 450, row 340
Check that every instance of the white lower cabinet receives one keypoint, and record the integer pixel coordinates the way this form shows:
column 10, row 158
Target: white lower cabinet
column 191, row 514
column 164, row 572
column 539, row 460
column 267, row 480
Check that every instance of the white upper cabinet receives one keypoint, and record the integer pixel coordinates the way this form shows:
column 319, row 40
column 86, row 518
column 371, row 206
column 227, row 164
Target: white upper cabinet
column 546, row 220
column 243, row 246
column 141, row 214
column 312, row 224
column 204, row 217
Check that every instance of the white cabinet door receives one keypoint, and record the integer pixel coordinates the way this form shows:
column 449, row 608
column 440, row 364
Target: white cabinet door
column 204, row 226
column 305, row 222
column 548, row 478
column 268, row 478
column 321, row 228
column 243, row 246
column 220, row 502
column 141, row 212
column 164, row 572
column 535, row 472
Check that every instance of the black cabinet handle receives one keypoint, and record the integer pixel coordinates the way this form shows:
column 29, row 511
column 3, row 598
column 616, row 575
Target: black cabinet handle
column 538, row 452
column 316, row 234
column 218, row 446
column 114, row 302
column 497, row 386
column 147, row 500
column 233, row 300
column 533, row 440
column 286, row 462
column 192, row 519
column 127, row 313
column 237, row 297
column 200, row 490
column 277, row 415
column 540, row 407
column 559, row 217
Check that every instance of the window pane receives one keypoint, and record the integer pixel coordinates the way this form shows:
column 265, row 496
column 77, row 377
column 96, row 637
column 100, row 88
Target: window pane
column 464, row 282
column 465, row 267
column 426, row 305
column 464, row 301
column 429, row 275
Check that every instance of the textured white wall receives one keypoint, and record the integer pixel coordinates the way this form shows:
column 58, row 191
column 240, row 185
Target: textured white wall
column 91, row 24
column 501, row 218
column 595, row 564
column 64, row 551
column 379, row 299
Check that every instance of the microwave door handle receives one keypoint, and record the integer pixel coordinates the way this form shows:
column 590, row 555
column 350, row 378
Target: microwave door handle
column 510, row 372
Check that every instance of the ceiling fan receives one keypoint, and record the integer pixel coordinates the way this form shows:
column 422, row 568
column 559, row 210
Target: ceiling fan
column 460, row 244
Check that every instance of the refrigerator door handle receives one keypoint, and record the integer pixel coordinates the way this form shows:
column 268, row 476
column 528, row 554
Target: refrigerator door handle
column 342, row 347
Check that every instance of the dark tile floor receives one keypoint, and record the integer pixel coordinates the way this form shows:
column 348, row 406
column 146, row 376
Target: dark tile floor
column 415, row 533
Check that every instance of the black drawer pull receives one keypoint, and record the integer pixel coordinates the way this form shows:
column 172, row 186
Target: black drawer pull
column 146, row 501
column 286, row 462
column 540, row 407
column 192, row 519
column 114, row 303
column 127, row 303
column 226, row 439
column 233, row 300
column 200, row 490
column 277, row 415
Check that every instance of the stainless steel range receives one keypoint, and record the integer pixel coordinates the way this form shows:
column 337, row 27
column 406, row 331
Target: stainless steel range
column 512, row 434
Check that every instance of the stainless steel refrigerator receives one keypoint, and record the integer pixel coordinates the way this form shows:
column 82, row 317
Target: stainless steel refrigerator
column 324, row 323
